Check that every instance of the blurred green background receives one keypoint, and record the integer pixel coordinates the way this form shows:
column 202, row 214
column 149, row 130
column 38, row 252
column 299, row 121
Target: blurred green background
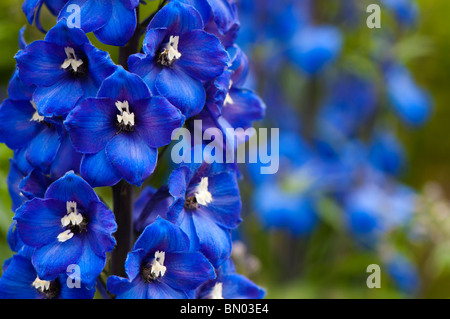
column 329, row 264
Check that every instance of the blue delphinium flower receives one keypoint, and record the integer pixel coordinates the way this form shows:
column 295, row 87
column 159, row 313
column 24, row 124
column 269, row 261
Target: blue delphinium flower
column 203, row 199
column 21, row 281
column 161, row 266
column 178, row 57
column 64, row 67
column 315, row 47
column 386, row 153
column 70, row 225
column 404, row 273
column 229, row 285
column 42, row 140
column 120, row 130
column 410, row 102
column 367, row 219
column 112, row 21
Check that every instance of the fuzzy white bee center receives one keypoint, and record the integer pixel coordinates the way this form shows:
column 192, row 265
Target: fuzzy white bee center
column 71, row 60
column 73, row 217
column 202, row 195
column 158, row 269
column 42, row 285
column 172, row 49
column 216, row 292
column 125, row 117
column 36, row 117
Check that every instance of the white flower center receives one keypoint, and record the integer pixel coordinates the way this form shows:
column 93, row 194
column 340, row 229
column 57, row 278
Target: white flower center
column 125, row 117
column 42, row 285
column 158, row 269
column 216, row 292
column 171, row 49
column 228, row 99
column 73, row 217
column 36, row 117
column 202, row 195
column 71, row 60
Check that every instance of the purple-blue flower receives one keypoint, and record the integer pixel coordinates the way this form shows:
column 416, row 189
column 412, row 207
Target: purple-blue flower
column 70, row 225
column 21, row 281
column 112, row 21
column 160, row 266
column 65, row 67
column 179, row 57
column 203, row 199
column 120, row 130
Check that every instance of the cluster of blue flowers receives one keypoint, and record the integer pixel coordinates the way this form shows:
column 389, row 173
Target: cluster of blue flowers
column 337, row 137
column 77, row 121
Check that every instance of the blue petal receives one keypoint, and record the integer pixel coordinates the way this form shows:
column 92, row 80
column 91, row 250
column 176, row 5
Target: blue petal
column 98, row 171
column 146, row 68
column 124, row 289
column 236, row 286
column 162, row 235
column 187, row 271
column 39, row 221
column 202, row 6
column 61, row 255
column 131, row 157
column 65, row 36
column 202, row 55
column 29, row 8
column 17, row 90
column 156, row 121
column 59, row 98
column 215, row 242
column 178, row 18
column 225, row 15
column 66, row 159
column 34, row 184
column 124, row 86
column 184, row 92
column 43, row 148
column 160, row 290
column 71, row 187
column 93, row 14
column 40, row 63
column 91, row 264
column 16, row 281
column 101, row 225
column 15, row 116
column 120, row 27
column 91, row 125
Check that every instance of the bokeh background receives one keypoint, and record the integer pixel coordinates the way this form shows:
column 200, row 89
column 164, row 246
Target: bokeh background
column 365, row 159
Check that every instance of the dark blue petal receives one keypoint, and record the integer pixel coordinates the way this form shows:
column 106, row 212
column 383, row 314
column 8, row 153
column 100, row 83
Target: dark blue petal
column 16, row 281
column 146, row 68
column 15, row 116
column 120, row 26
column 98, row 171
column 71, row 187
column 162, row 235
column 236, row 286
column 124, row 86
column 59, row 98
column 91, row 125
column 178, row 18
column 43, row 148
column 184, row 92
column 124, row 289
column 40, row 63
column 131, row 157
column 187, row 271
column 66, row 159
column 202, row 55
column 61, row 255
column 93, row 14
column 156, row 121
column 65, row 36
column 39, row 221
